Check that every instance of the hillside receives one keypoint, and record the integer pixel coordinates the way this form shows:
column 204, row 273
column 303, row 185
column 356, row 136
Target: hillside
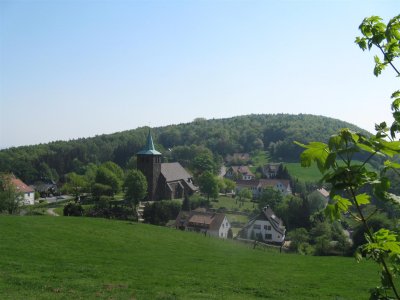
column 60, row 258
column 273, row 133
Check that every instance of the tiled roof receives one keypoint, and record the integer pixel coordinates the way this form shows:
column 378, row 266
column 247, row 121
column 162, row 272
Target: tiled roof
column 263, row 183
column 273, row 182
column 242, row 170
column 323, row 192
column 21, row 186
column 276, row 223
column 210, row 220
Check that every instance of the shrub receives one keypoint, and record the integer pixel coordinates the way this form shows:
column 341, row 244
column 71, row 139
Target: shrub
column 73, row 209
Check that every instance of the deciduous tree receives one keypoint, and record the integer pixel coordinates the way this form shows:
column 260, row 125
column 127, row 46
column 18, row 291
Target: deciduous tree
column 135, row 186
column 351, row 179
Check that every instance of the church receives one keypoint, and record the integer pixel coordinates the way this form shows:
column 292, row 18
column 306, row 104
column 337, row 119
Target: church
column 165, row 181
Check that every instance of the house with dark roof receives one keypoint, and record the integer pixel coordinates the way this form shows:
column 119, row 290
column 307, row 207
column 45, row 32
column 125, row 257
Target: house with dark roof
column 270, row 170
column 265, row 227
column 164, row 180
column 239, row 172
column 208, row 223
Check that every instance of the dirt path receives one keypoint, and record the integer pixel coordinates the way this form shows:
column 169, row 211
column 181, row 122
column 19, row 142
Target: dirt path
column 51, row 212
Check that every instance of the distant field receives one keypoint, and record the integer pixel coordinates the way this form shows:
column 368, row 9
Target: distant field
column 86, row 258
column 310, row 174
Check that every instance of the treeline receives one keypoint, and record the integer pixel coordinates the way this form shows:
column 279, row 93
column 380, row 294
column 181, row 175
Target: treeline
column 274, row 133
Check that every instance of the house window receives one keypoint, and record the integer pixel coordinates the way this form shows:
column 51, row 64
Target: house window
column 223, row 226
column 257, row 226
column 268, row 236
column 267, row 227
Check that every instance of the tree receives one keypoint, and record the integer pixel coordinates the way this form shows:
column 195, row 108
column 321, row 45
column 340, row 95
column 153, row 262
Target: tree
column 160, row 212
column 75, row 185
column 135, row 186
column 186, row 203
column 106, row 177
column 10, row 198
column 353, row 185
column 208, row 184
column 297, row 237
column 244, row 194
column 270, row 197
column 204, row 163
column 230, row 185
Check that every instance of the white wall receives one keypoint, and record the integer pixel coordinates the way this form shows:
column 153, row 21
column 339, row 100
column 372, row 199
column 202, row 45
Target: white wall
column 276, row 237
column 29, row 198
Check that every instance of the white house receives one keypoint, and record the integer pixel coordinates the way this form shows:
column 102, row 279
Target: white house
column 26, row 191
column 270, row 170
column 209, row 223
column 265, row 227
column 239, row 172
column 257, row 186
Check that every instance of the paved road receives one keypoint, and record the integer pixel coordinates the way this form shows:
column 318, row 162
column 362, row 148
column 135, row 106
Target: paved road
column 56, row 199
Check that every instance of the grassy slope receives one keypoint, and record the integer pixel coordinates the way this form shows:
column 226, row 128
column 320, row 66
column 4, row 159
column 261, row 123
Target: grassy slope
column 310, row 174
column 64, row 258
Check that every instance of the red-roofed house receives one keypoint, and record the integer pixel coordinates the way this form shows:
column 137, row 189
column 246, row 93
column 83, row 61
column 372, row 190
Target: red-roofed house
column 239, row 172
column 257, row 186
column 27, row 192
column 209, row 223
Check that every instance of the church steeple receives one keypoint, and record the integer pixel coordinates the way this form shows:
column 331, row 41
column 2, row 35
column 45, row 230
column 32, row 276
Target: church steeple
column 149, row 163
column 149, row 148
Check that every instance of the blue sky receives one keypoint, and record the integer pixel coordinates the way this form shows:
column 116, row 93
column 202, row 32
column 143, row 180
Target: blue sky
column 71, row 69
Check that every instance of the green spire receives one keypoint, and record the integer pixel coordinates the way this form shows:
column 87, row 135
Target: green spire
column 149, row 148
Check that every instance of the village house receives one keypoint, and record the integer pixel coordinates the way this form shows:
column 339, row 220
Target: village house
column 27, row 192
column 239, row 172
column 164, row 180
column 270, row 170
column 208, row 223
column 265, row 227
column 324, row 193
column 257, row 186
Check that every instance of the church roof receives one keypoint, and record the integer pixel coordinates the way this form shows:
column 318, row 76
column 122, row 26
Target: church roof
column 149, row 148
column 174, row 171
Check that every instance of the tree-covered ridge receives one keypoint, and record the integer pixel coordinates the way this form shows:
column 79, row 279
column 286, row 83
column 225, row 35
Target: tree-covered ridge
column 272, row 132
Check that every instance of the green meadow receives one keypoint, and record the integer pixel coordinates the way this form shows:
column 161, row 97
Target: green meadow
column 86, row 258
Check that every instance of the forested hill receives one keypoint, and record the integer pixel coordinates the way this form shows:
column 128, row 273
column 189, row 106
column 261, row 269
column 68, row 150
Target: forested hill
column 274, row 133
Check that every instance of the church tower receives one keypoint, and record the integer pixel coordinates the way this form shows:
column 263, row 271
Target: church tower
column 149, row 163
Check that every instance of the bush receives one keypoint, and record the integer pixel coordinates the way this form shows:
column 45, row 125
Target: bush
column 160, row 212
column 73, row 209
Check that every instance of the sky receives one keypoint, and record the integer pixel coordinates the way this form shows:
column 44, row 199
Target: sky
column 72, row 69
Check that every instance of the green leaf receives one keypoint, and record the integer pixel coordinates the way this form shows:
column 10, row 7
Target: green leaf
column 363, row 199
column 315, row 151
column 332, row 212
column 396, row 94
column 343, row 204
column 391, row 164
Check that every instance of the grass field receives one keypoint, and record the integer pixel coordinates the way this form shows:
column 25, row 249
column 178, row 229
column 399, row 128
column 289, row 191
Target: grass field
column 86, row 258
column 310, row 174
